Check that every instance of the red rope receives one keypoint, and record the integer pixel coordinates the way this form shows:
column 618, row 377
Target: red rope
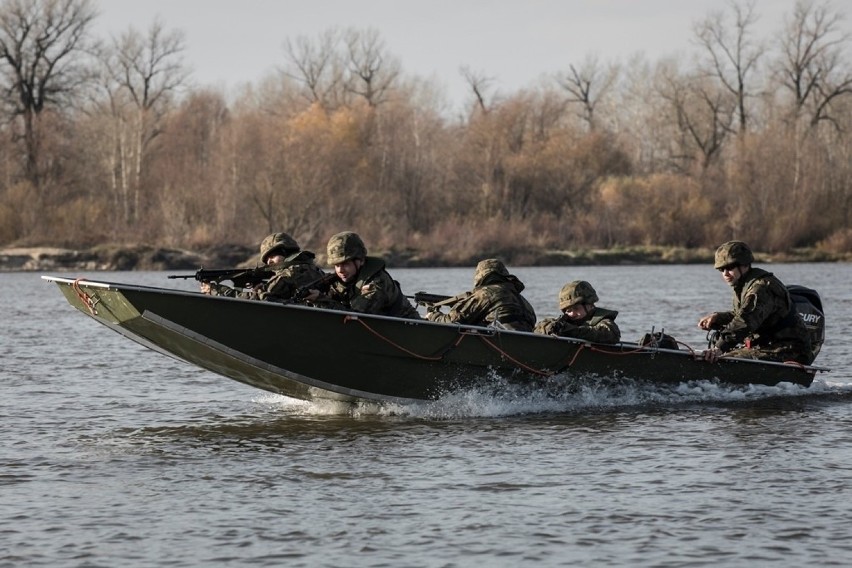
column 84, row 297
column 545, row 373
column 347, row 319
column 515, row 361
column 577, row 353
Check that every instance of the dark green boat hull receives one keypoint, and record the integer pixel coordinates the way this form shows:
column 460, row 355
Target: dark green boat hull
column 310, row 353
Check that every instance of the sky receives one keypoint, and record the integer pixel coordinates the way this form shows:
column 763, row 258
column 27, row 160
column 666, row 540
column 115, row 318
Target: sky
column 514, row 42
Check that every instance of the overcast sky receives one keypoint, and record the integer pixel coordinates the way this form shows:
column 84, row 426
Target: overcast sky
column 516, row 42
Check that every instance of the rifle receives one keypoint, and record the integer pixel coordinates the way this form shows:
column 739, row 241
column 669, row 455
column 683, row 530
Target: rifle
column 321, row 284
column 241, row 277
column 436, row 300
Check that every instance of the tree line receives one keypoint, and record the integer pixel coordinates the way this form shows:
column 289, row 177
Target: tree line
column 106, row 140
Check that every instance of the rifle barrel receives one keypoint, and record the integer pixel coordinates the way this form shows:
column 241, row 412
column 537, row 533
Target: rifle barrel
column 427, row 299
column 241, row 277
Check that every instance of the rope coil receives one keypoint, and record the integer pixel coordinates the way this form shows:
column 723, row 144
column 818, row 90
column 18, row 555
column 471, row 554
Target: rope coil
column 85, row 298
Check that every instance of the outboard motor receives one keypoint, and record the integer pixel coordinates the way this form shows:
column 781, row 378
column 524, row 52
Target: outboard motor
column 809, row 305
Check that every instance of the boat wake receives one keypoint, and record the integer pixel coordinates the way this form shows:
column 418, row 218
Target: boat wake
column 578, row 395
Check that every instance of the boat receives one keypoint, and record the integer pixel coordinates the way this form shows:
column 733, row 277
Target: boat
column 311, row 353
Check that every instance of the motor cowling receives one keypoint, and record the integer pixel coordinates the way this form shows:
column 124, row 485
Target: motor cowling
column 808, row 303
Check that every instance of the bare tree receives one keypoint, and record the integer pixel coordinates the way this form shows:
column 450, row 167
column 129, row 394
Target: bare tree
column 639, row 115
column 318, row 67
column 548, row 113
column 372, row 70
column 141, row 76
column 703, row 115
column 731, row 54
column 588, row 85
column 43, row 45
column 190, row 172
column 813, row 64
column 479, row 84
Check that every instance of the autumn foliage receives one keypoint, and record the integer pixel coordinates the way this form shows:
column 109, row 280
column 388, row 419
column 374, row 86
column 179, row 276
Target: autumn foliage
column 641, row 153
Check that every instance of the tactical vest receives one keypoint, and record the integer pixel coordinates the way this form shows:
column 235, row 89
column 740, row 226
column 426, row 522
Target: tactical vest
column 399, row 306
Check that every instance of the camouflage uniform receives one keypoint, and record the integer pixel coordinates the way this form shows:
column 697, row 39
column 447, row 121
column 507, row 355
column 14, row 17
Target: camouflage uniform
column 295, row 271
column 763, row 318
column 496, row 297
column 372, row 291
column 598, row 325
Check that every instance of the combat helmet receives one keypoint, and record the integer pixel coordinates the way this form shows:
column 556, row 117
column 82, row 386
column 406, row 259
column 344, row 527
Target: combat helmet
column 733, row 253
column 345, row 246
column 487, row 268
column 277, row 242
column 577, row 292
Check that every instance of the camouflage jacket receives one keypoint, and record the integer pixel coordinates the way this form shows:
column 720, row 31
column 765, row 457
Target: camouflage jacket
column 373, row 292
column 499, row 301
column 764, row 314
column 295, row 271
column 598, row 326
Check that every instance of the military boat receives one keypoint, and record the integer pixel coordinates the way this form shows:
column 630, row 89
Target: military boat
column 312, row 353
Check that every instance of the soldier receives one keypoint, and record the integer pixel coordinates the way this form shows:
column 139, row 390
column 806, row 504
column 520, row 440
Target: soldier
column 495, row 300
column 580, row 317
column 764, row 323
column 293, row 268
column 363, row 284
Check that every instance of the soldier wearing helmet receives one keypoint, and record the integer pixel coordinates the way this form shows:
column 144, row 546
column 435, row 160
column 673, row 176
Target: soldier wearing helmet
column 763, row 323
column 292, row 269
column 363, row 284
column 580, row 318
column 495, row 300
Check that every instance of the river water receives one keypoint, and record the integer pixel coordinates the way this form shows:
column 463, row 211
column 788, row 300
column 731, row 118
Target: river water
column 114, row 455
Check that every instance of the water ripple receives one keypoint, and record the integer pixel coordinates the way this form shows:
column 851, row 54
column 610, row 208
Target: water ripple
column 117, row 456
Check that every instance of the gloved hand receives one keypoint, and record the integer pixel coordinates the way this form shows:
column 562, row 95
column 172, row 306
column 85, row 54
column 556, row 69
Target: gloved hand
column 712, row 355
column 547, row 327
column 209, row 288
column 725, row 343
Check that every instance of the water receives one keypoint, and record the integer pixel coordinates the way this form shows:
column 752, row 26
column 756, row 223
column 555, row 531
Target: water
column 113, row 455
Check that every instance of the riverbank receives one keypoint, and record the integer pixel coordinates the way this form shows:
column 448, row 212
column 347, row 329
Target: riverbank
column 142, row 257
column 115, row 257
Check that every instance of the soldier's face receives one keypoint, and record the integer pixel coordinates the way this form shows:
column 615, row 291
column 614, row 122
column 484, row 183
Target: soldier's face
column 731, row 274
column 576, row 312
column 348, row 269
column 274, row 259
